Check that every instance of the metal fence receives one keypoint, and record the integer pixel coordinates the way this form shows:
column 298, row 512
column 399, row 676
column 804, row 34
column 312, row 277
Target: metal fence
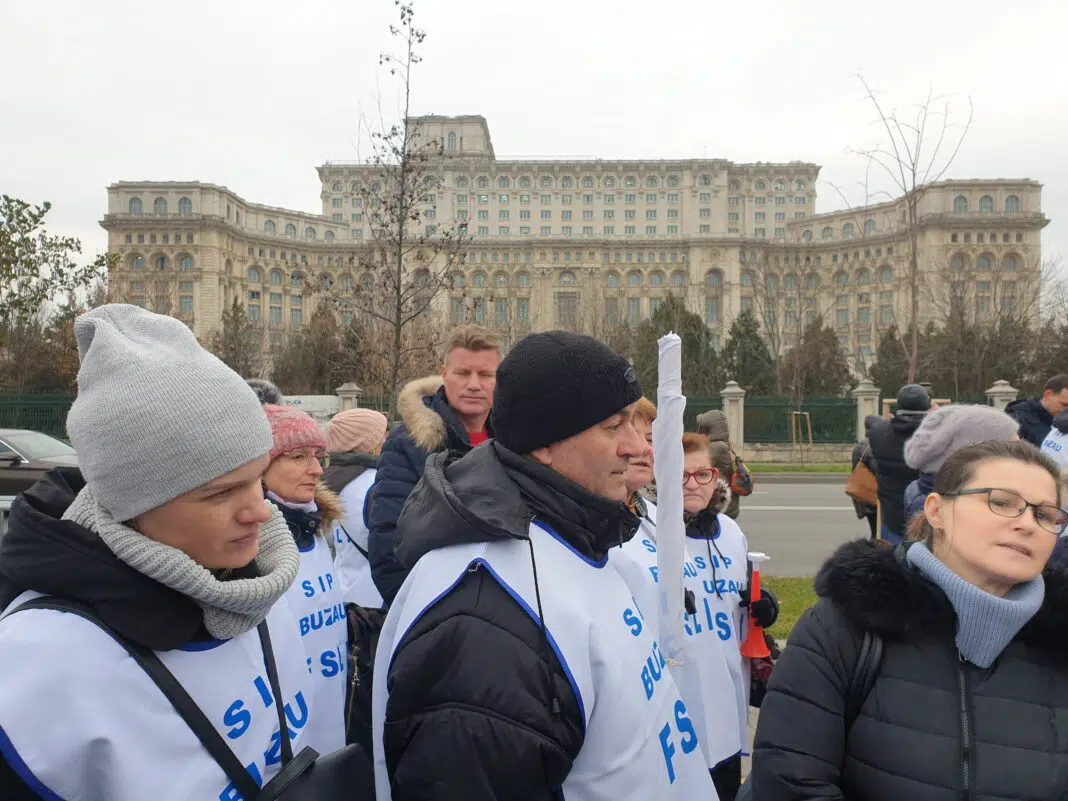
column 44, row 413
column 696, row 406
column 769, row 419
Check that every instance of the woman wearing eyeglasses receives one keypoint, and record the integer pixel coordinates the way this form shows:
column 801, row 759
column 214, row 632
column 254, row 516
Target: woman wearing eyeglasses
column 970, row 697
column 293, row 483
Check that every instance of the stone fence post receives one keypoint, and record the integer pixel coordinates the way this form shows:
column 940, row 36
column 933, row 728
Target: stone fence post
column 734, row 407
column 348, row 395
column 1001, row 394
column 867, row 395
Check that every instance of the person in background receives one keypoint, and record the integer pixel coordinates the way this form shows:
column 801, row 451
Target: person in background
column 163, row 534
column 893, row 475
column 970, row 697
column 449, row 412
column 310, row 509
column 943, row 432
column 641, row 466
column 713, row 424
column 1035, row 415
column 1055, row 445
column 514, row 663
column 354, row 438
column 862, row 453
column 266, row 391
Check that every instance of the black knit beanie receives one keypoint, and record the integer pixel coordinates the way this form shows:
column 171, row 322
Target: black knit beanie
column 554, row 385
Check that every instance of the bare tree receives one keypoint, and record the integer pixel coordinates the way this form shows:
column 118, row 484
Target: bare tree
column 918, row 151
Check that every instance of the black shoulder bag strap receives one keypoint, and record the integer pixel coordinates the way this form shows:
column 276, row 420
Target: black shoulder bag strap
column 356, row 545
column 183, row 703
column 866, row 671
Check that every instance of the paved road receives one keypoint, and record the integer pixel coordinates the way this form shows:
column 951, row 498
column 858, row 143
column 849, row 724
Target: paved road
column 798, row 525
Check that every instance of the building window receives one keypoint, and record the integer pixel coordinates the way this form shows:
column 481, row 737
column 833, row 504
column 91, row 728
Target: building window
column 705, row 229
column 159, row 207
column 609, row 230
column 780, row 216
column 780, row 201
column 185, row 264
column 650, row 230
column 759, row 201
column 986, row 204
column 650, row 214
column 185, row 206
column 760, row 232
column 960, row 204
column 1012, row 204
column 135, row 205
column 629, row 229
column 566, row 309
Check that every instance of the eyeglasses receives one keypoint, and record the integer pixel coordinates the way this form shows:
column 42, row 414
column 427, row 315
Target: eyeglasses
column 305, row 459
column 700, row 476
column 1006, row 503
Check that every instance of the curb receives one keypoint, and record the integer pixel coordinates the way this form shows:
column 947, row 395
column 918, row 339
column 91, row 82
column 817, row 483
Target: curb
column 801, row 478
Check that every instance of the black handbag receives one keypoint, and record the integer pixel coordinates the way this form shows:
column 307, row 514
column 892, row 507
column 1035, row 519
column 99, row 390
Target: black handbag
column 307, row 776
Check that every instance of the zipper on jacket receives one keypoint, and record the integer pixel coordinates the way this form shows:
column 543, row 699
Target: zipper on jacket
column 965, row 732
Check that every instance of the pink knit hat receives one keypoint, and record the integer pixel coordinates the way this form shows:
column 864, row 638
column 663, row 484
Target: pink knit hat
column 357, row 431
column 292, row 430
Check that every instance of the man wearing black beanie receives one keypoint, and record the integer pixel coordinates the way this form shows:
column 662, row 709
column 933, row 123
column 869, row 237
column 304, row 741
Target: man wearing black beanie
column 514, row 662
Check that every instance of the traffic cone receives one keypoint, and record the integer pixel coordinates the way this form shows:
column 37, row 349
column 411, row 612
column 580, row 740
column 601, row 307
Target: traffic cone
column 755, row 647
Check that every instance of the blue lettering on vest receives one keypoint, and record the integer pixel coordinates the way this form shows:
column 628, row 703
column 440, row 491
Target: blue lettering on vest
column 723, row 625
column 238, row 718
column 669, row 751
column 293, row 721
column 633, row 621
column 656, row 574
column 689, row 571
column 331, row 666
column 700, row 561
column 231, row 793
column 308, row 588
column 685, row 727
column 265, row 692
column 649, row 546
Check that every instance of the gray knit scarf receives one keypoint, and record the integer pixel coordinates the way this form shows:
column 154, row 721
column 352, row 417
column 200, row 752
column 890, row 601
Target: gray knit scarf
column 230, row 607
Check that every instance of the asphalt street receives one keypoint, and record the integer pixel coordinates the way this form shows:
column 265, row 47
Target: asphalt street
column 798, row 524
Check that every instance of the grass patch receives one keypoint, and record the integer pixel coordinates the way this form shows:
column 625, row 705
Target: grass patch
column 800, row 468
column 795, row 595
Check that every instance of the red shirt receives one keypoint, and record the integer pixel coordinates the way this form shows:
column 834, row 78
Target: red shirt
column 477, row 437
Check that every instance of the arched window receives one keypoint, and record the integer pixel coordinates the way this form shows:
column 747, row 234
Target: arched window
column 956, row 264
column 714, row 279
column 610, row 183
column 760, row 186
column 355, row 187
column 567, row 278
column 705, row 180
column 159, row 207
column 546, row 182
column 1009, row 264
column 807, row 236
column 462, row 182
column 799, row 185
column 634, row 278
column 137, row 263
column 291, row 230
column 630, row 181
column 185, row 206
column 500, row 280
column 524, row 182
column 254, row 275
column 673, row 181
column 651, row 182
column 522, row 280
column 329, row 236
column 886, row 275
column 345, row 282
column 309, row 233
column 848, row 230
column 503, row 182
column 567, row 182
column 269, row 227
column 656, row 278
column 780, row 185
column 746, row 278
column 678, row 279
column 336, row 186
column 478, row 280
column 160, row 262
column 960, row 204
column 611, row 280
column 841, row 278
column 135, row 205
column 450, row 141
column 185, row 263
column 869, row 227
column 587, row 182
column 483, row 182
column 827, row 233
column 863, row 277
column 986, row 204
column 984, row 263
column 1012, row 204
column 296, row 279
column 276, row 277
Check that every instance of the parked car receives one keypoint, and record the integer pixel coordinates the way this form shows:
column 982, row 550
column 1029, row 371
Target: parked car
column 25, row 456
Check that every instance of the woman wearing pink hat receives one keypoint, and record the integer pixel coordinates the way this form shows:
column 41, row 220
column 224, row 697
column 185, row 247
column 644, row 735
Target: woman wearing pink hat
column 293, row 484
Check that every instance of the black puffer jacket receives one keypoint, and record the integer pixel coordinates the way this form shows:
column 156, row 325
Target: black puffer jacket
column 1034, row 420
column 470, row 713
column 887, row 439
column 932, row 728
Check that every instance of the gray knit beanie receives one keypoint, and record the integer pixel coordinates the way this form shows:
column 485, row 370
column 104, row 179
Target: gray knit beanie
column 156, row 415
column 951, row 428
column 713, row 424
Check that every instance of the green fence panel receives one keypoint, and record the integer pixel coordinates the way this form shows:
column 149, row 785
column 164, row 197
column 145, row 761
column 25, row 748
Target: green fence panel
column 696, row 406
column 767, row 419
column 44, row 413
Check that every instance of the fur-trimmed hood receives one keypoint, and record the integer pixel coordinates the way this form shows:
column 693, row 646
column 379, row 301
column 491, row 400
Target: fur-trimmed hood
column 878, row 591
column 331, row 509
column 425, row 426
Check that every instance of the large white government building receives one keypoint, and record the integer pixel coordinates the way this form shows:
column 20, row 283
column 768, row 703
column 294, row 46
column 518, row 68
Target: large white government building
column 584, row 244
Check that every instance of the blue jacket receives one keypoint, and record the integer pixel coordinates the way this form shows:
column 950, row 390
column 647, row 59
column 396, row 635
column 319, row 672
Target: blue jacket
column 428, row 425
column 916, row 494
column 1035, row 422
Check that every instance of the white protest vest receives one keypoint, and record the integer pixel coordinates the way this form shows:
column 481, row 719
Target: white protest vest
column 317, row 604
column 81, row 721
column 712, row 704
column 719, row 582
column 1055, row 445
column 351, row 567
column 640, row 743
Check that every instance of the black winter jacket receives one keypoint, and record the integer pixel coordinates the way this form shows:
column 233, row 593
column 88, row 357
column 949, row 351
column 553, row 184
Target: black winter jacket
column 428, row 425
column 933, row 728
column 888, row 438
column 1035, row 422
column 470, row 713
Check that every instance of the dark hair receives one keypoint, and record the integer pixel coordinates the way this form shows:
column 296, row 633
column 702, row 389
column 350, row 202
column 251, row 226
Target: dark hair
column 266, row 391
column 1058, row 383
column 960, row 468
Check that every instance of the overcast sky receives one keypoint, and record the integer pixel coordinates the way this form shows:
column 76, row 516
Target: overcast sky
column 254, row 95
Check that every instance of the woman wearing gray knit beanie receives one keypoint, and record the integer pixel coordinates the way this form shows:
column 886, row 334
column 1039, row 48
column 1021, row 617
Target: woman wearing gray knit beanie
column 938, row 669
column 160, row 547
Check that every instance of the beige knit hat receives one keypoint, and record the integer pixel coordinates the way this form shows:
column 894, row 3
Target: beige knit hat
column 356, row 431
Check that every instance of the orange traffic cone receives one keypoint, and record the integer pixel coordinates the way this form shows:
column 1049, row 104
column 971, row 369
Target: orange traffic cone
column 755, row 647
